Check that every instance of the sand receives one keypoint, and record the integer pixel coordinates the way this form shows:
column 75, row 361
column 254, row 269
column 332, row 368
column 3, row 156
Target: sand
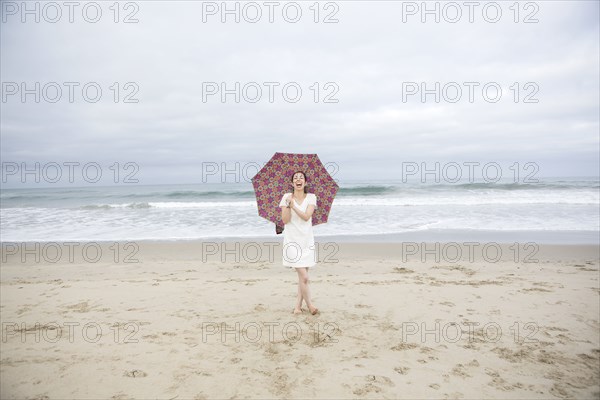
column 184, row 324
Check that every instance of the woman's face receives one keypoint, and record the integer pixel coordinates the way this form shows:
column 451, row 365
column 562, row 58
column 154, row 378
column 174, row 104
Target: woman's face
column 298, row 181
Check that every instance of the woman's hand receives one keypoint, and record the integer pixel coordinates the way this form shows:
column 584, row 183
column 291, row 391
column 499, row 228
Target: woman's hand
column 286, row 212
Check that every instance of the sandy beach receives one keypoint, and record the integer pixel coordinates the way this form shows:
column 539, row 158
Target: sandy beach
column 194, row 320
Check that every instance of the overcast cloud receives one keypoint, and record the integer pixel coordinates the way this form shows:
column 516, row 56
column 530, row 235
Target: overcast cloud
column 368, row 54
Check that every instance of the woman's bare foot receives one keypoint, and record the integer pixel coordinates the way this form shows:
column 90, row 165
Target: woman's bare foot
column 313, row 310
column 297, row 311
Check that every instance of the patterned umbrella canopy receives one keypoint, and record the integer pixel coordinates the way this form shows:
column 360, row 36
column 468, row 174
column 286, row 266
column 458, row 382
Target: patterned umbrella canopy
column 274, row 180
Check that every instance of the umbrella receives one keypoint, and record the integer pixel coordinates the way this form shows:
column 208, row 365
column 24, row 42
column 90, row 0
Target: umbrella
column 274, row 180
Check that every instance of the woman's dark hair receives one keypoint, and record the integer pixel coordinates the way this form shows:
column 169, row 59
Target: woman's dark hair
column 305, row 180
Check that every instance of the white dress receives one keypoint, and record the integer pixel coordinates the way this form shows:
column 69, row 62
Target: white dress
column 298, row 237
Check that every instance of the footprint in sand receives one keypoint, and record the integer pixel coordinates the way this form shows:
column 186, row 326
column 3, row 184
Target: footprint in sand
column 135, row 373
column 280, row 384
column 373, row 385
column 460, row 370
column 404, row 346
column 82, row 307
column 303, row 360
column 402, row 370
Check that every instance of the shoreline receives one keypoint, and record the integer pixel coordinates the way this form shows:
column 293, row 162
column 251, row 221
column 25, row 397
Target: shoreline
column 427, row 236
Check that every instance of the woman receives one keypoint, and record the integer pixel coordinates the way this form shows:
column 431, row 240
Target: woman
column 298, row 240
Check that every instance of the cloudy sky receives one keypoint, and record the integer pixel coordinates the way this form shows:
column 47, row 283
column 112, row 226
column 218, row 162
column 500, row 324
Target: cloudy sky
column 365, row 68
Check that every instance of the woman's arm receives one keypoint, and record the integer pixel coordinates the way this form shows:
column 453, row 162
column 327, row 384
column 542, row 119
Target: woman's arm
column 286, row 212
column 304, row 215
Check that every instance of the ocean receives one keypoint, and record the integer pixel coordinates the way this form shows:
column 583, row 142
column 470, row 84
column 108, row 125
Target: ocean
column 567, row 206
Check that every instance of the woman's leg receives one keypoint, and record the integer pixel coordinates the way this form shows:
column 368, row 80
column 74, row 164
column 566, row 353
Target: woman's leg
column 304, row 289
column 299, row 298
